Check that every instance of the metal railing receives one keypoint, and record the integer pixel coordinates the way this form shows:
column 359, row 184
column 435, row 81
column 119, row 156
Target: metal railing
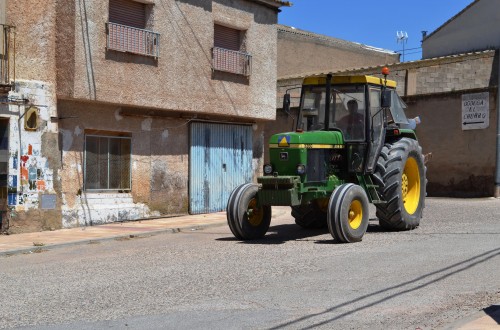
column 231, row 61
column 132, row 40
column 7, row 55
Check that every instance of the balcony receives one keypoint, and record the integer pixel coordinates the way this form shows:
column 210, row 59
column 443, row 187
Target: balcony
column 231, row 61
column 128, row 39
column 7, row 58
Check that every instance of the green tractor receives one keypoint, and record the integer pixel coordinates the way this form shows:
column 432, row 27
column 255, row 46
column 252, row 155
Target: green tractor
column 352, row 145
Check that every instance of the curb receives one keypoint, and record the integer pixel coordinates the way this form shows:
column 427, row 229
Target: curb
column 44, row 248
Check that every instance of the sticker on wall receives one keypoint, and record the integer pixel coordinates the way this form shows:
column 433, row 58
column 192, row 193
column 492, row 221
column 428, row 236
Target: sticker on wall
column 12, row 199
column 12, row 181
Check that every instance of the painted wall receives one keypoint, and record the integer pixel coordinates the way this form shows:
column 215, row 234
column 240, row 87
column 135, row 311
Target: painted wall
column 33, row 163
column 474, row 29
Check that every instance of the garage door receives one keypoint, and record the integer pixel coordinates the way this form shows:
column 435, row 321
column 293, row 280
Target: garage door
column 220, row 160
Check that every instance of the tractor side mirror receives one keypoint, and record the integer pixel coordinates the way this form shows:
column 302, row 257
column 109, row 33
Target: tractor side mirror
column 286, row 103
column 385, row 101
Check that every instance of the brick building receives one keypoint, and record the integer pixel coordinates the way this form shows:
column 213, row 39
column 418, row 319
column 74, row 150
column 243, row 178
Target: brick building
column 302, row 51
column 134, row 108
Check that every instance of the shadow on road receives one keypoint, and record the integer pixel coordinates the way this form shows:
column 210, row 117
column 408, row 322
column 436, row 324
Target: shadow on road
column 281, row 234
column 399, row 289
column 494, row 312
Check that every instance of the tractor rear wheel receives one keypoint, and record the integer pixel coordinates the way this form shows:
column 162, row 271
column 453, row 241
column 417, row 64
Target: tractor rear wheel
column 348, row 213
column 245, row 218
column 401, row 180
column 312, row 215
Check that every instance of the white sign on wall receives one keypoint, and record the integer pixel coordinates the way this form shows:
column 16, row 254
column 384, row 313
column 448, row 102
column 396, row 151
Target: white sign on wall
column 475, row 111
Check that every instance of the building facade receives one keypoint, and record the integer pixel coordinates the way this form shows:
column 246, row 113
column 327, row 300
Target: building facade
column 141, row 108
column 473, row 29
column 302, row 51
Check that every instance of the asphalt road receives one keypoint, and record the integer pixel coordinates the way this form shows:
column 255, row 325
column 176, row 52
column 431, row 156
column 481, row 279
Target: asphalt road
column 427, row 278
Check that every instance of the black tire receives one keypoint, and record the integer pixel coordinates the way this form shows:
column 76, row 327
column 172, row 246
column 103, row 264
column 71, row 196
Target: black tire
column 245, row 219
column 309, row 216
column 401, row 176
column 230, row 209
column 348, row 213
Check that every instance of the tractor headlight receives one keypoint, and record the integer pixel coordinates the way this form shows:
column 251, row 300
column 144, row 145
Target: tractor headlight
column 268, row 169
column 301, row 169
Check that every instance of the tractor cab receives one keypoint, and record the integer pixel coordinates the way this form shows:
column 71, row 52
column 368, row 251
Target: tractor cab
column 359, row 109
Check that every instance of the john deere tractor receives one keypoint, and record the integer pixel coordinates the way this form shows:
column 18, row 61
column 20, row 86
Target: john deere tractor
column 351, row 145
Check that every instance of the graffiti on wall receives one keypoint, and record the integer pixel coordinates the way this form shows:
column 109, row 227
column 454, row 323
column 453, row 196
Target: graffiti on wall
column 35, row 176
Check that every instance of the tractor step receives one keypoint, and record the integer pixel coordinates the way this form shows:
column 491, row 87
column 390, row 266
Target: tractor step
column 379, row 202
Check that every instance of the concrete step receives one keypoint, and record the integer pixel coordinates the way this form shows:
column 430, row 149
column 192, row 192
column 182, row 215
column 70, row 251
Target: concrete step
column 95, row 214
column 106, row 198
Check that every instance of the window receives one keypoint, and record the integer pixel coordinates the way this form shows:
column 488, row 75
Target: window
column 228, row 52
column 126, row 29
column 107, row 162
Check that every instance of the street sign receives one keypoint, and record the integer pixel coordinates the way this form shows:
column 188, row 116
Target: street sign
column 475, row 111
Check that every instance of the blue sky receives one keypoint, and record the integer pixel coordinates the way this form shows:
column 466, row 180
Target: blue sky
column 373, row 23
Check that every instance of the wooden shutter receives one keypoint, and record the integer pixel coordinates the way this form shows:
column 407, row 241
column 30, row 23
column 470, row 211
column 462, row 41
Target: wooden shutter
column 227, row 38
column 127, row 12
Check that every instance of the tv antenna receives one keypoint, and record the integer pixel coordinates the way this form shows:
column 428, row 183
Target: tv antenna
column 402, row 37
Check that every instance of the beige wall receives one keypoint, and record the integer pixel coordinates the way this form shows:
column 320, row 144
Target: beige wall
column 35, row 38
column 463, row 162
column 182, row 78
column 159, row 154
column 301, row 52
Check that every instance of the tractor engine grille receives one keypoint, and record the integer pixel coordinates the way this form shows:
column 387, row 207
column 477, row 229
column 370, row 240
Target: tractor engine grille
column 316, row 169
column 321, row 163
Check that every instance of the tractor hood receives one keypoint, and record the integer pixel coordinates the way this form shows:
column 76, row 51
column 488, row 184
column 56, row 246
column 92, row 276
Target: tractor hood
column 314, row 139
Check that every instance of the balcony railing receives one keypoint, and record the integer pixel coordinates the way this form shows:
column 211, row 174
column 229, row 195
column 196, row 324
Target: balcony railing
column 231, row 61
column 7, row 57
column 133, row 40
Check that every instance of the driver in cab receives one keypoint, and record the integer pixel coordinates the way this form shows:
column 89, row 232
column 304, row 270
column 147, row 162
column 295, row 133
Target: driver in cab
column 352, row 124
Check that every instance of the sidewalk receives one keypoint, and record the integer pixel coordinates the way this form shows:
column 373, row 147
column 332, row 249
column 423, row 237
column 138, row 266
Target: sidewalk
column 46, row 240
column 32, row 242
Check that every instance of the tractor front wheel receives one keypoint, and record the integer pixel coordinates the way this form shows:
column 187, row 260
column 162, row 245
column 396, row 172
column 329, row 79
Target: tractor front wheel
column 400, row 176
column 246, row 219
column 348, row 213
column 312, row 215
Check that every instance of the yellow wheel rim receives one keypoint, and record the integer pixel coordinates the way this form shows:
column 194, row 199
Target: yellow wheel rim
column 255, row 214
column 323, row 204
column 410, row 184
column 355, row 214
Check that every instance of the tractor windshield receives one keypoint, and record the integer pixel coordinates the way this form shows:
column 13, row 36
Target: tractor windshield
column 347, row 110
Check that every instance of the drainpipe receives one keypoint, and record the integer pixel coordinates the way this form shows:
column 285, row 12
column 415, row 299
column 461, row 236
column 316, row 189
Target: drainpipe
column 497, row 170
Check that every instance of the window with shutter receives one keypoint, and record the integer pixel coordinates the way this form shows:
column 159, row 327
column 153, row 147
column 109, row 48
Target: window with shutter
column 127, row 29
column 227, row 38
column 227, row 53
column 127, row 12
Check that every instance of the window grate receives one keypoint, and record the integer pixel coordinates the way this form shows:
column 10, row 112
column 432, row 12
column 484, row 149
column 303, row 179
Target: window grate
column 231, row 61
column 132, row 40
column 107, row 163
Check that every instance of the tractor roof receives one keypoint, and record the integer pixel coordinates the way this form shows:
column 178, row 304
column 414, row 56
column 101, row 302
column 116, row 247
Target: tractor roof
column 342, row 80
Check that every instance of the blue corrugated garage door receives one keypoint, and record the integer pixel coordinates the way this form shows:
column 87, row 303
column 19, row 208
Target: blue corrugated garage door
column 220, row 160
